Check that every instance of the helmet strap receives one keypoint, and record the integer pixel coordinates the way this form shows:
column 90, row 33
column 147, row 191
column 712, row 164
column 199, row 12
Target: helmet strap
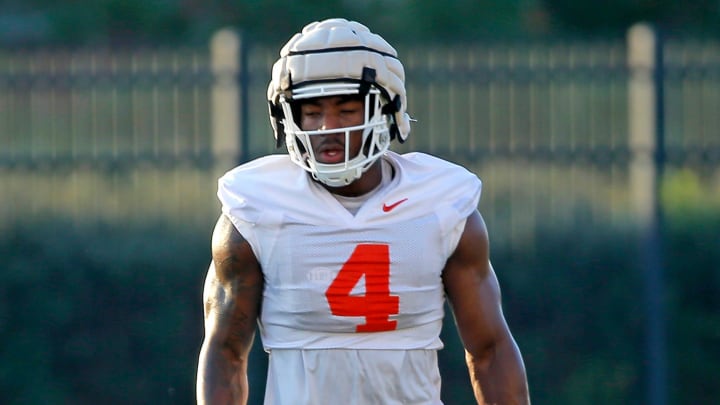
column 368, row 79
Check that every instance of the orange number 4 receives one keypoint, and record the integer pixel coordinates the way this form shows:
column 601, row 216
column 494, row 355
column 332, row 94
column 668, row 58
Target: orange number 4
column 372, row 261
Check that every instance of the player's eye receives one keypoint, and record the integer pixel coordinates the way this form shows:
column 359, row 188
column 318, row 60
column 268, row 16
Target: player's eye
column 311, row 112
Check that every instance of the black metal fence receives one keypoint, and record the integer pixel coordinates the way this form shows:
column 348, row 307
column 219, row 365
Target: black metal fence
column 546, row 125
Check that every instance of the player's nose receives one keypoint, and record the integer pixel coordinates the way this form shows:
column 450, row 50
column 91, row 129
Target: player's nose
column 330, row 121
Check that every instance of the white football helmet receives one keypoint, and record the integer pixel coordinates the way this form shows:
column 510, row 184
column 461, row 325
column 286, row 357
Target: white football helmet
column 338, row 57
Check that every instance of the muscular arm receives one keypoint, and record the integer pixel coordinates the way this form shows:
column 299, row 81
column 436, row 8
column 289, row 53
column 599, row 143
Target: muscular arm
column 232, row 294
column 496, row 367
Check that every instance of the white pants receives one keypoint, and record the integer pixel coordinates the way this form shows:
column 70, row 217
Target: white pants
column 353, row 377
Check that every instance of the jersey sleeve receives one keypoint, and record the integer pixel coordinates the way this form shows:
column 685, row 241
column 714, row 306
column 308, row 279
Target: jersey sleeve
column 454, row 216
column 247, row 197
column 235, row 206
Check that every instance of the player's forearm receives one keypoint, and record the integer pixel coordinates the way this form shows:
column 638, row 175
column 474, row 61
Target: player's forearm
column 498, row 376
column 221, row 380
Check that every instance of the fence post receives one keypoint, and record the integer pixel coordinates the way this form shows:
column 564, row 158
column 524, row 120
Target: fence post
column 225, row 47
column 646, row 126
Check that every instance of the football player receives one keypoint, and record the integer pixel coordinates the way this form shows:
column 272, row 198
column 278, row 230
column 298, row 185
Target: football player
column 342, row 253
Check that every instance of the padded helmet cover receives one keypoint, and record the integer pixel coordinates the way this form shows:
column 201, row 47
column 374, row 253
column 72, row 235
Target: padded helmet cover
column 336, row 50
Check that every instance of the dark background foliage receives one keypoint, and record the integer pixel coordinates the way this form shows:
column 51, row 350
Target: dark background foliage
column 101, row 314
column 132, row 22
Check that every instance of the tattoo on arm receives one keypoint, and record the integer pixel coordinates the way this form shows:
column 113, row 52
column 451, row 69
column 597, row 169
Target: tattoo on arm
column 239, row 286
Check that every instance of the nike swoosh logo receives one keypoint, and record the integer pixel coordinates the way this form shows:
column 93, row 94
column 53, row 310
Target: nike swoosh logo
column 388, row 208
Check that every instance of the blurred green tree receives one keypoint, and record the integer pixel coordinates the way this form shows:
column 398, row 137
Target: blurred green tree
column 612, row 17
column 128, row 22
column 112, row 314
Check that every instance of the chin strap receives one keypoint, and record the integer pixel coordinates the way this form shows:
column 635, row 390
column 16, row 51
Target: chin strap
column 276, row 117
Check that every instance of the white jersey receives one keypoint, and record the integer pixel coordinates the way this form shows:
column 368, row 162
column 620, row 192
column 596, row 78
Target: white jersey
column 358, row 285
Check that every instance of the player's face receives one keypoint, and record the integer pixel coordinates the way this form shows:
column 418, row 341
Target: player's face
column 328, row 113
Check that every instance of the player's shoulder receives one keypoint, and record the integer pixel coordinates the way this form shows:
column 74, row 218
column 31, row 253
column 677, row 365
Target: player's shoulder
column 421, row 166
column 419, row 158
column 435, row 185
column 264, row 172
column 264, row 187
column 262, row 165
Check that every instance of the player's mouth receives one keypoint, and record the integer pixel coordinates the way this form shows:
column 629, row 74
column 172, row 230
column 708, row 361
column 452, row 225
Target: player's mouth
column 330, row 154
